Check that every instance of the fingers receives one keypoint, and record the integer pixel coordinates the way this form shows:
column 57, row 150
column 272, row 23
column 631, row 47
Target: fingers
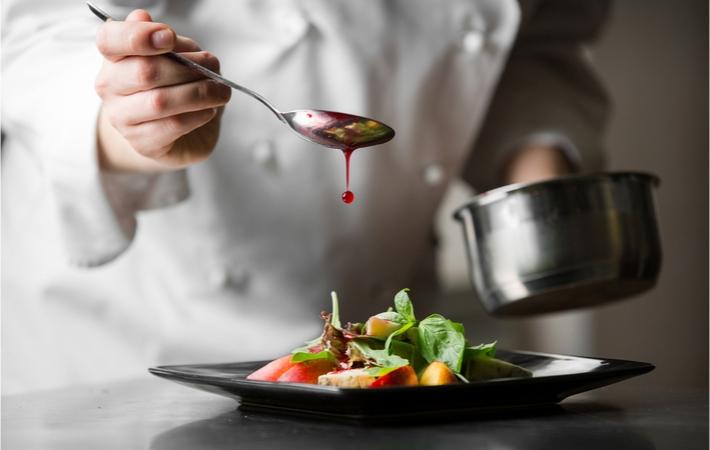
column 139, row 35
column 141, row 73
column 154, row 110
column 185, row 44
column 116, row 40
column 166, row 101
column 155, row 138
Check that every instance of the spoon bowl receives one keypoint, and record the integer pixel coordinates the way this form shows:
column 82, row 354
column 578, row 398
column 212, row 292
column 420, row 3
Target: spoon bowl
column 338, row 130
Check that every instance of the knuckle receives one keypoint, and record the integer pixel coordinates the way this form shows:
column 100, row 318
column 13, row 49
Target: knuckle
column 172, row 125
column 135, row 41
column 101, row 85
column 200, row 92
column 146, row 71
column 158, row 101
column 117, row 121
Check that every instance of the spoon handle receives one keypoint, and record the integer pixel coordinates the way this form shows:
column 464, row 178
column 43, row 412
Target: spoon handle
column 103, row 15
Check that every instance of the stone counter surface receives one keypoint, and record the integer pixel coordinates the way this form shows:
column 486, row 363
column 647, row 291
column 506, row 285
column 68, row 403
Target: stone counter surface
column 150, row 413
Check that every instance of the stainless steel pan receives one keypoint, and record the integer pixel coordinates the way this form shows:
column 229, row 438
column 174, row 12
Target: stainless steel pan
column 566, row 243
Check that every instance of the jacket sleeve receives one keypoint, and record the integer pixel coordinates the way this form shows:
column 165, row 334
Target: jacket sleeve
column 548, row 93
column 49, row 65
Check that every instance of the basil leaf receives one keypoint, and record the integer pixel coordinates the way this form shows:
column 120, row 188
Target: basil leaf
column 403, row 305
column 335, row 317
column 378, row 357
column 440, row 339
column 482, row 368
column 392, row 317
column 488, row 350
column 307, row 356
column 396, row 333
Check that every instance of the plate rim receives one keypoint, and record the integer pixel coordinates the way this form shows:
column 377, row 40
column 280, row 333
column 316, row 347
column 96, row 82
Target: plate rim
column 637, row 368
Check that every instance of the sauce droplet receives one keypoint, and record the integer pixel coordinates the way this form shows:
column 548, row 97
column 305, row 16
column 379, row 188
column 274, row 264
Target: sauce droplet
column 348, row 197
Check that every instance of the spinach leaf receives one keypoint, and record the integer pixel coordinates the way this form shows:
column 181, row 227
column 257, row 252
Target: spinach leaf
column 440, row 339
column 403, row 305
column 307, row 356
column 378, row 357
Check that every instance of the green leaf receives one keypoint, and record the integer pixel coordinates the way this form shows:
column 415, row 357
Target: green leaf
column 488, row 350
column 378, row 357
column 307, row 346
column 403, row 305
column 440, row 339
column 482, row 368
column 380, row 371
column 396, row 333
column 335, row 317
column 307, row 356
column 392, row 316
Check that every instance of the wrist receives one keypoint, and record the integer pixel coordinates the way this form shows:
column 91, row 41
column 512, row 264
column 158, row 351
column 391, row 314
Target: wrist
column 536, row 163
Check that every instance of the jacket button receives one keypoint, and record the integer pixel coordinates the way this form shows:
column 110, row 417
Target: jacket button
column 472, row 41
column 236, row 279
column 474, row 35
column 433, row 174
column 239, row 279
column 293, row 25
column 218, row 278
column 263, row 153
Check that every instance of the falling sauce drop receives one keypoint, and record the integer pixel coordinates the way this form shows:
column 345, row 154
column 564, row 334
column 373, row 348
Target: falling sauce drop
column 348, row 196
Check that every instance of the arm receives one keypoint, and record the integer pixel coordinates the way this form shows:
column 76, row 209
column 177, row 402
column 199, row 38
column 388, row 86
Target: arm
column 50, row 108
column 549, row 112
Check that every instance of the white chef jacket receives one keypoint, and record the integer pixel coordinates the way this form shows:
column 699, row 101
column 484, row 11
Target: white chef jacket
column 105, row 274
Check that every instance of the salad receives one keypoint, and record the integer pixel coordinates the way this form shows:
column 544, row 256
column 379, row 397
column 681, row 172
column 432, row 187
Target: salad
column 391, row 348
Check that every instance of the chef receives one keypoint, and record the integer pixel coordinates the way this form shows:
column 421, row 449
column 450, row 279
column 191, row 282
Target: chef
column 150, row 218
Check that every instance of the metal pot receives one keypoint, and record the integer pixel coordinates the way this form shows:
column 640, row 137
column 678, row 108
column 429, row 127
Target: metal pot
column 565, row 243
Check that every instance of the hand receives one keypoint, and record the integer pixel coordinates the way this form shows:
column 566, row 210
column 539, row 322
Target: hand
column 156, row 114
column 536, row 163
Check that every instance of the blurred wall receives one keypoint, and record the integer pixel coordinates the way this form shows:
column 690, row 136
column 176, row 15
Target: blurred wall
column 653, row 57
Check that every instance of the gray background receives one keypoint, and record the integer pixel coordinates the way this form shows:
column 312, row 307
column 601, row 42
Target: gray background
column 654, row 58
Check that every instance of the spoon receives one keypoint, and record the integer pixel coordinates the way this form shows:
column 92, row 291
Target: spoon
column 330, row 129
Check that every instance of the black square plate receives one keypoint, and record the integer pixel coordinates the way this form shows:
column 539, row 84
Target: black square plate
column 555, row 377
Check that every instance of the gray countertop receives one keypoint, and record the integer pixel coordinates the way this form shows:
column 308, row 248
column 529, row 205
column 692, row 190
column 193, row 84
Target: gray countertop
column 157, row 414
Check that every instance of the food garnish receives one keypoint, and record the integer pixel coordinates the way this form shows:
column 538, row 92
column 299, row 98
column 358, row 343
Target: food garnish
column 391, row 348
